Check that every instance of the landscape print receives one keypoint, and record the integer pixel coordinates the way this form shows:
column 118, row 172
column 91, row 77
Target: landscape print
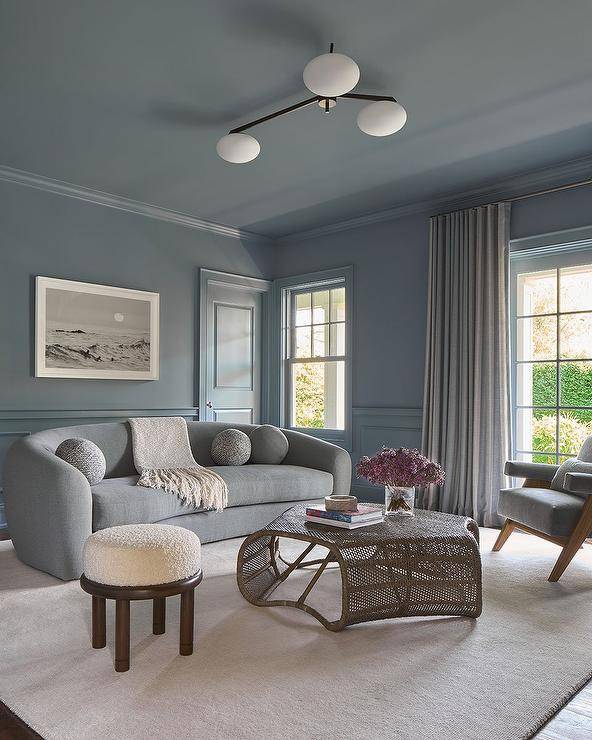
column 95, row 331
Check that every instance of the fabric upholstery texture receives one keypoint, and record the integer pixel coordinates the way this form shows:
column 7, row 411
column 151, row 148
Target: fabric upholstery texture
column 548, row 511
column 164, row 459
column 269, row 445
column 141, row 555
column 231, row 447
column 466, row 401
column 579, row 483
column 537, row 471
column 120, row 501
column 84, row 455
column 49, row 505
column 585, row 454
column 573, row 465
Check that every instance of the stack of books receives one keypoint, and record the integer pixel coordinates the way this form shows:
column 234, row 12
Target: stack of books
column 364, row 516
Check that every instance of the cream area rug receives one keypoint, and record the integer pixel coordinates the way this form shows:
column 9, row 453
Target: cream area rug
column 277, row 673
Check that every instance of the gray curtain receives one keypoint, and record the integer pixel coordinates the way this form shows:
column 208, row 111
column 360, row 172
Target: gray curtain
column 466, row 399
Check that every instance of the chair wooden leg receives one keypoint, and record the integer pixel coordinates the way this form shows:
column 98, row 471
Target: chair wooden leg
column 99, row 626
column 158, row 616
column 186, row 626
column 506, row 531
column 577, row 537
column 122, row 635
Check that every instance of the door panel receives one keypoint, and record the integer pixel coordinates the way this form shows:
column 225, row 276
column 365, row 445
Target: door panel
column 233, row 347
column 234, row 416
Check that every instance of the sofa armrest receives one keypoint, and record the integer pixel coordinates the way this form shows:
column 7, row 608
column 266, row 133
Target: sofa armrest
column 580, row 483
column 311, row 452
column 537, row 471
column 48, row 508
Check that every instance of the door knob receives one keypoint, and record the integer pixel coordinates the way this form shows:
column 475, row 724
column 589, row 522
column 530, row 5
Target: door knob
column 209, row 404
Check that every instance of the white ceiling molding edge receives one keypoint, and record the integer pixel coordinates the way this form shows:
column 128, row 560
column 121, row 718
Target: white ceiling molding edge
column 99, row 197
column 548, row 177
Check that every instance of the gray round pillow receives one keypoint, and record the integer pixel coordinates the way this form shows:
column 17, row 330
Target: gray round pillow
column 84, row 455
column 269, row 445
column 231, row 447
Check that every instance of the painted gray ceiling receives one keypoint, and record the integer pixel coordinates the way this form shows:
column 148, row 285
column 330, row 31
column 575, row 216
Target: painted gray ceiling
column 130, row 97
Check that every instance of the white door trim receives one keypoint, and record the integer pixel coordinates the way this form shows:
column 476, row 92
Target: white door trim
column 215, row 277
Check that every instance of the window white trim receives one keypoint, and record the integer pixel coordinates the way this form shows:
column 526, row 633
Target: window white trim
column 283, row 289
column 533, row 254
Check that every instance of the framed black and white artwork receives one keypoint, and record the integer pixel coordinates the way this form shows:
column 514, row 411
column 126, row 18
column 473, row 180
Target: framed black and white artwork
column 95, row 331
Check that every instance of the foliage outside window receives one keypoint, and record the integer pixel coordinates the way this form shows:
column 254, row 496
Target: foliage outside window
column 553, row 362
column 316, row 357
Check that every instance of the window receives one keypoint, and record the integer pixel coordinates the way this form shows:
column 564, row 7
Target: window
column 552, row 355
column 316, row 355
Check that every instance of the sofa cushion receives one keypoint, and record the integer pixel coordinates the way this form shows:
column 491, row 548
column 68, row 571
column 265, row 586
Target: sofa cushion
column 553, row 512
column 119, row 501
column 269, row 445
column 260, row 484
column 573, row 465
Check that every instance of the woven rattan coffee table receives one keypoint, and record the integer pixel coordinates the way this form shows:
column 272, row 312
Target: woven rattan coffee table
column 425, row 565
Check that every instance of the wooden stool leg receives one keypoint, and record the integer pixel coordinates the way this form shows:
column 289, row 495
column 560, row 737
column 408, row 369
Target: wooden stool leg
column 122, row 635
column 99, row 626
column 186, row 626
column 158, row 616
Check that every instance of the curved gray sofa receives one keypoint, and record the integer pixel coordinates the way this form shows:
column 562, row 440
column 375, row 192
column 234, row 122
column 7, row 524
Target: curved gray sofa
column 51, row 508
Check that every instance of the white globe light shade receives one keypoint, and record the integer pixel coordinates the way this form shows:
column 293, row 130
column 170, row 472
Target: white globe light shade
column 238, row 148
column 331, row 75
column 382, row 118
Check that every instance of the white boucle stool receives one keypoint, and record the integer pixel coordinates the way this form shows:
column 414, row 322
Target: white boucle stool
column 141, row 561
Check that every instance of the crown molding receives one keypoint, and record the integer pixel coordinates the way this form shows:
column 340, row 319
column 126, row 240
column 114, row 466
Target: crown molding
column 101, row 198
column 511, row 187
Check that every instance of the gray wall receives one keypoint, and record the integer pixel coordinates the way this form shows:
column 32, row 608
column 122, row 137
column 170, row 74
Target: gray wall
column 46, row 234
column 390, row 282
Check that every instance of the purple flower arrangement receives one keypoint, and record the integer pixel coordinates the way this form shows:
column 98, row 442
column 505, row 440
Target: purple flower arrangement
column 402, row 467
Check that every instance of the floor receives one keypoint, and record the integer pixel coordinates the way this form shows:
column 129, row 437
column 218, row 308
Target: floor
column 573, row 722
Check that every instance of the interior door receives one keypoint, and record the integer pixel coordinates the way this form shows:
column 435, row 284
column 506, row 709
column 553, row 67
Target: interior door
column 233, row 362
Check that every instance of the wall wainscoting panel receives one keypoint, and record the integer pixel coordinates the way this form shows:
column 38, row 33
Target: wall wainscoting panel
column 374, row 428
column 20, row 423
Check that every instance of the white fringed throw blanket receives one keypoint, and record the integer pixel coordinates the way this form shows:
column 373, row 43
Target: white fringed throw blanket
column 163, row 458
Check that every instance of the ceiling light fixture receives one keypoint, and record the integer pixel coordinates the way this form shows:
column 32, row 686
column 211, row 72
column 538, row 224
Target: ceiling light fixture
column 330, row 76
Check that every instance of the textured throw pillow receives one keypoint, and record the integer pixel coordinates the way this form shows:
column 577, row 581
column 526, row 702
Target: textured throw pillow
column 269, row 445
column 231, row 447
column 573, row 465
column 84, row 455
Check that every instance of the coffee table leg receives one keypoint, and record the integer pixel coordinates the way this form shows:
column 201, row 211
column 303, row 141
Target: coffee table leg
column 122, row 635
column 99, row 627
column 186, row 626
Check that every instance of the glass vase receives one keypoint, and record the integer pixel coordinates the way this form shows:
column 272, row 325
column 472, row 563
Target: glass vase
column 398, row 501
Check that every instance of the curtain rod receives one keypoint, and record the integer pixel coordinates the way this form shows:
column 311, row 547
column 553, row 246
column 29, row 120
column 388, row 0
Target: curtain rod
column 556, row 189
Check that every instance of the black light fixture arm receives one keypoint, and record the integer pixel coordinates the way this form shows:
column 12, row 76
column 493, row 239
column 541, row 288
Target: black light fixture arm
column 307, row 102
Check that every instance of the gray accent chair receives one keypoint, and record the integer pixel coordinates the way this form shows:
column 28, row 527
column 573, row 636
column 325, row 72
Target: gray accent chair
column 557, row 508
column 51, row 508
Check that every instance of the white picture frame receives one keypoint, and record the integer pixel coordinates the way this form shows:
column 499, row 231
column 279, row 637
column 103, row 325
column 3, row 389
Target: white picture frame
column 84, row 330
